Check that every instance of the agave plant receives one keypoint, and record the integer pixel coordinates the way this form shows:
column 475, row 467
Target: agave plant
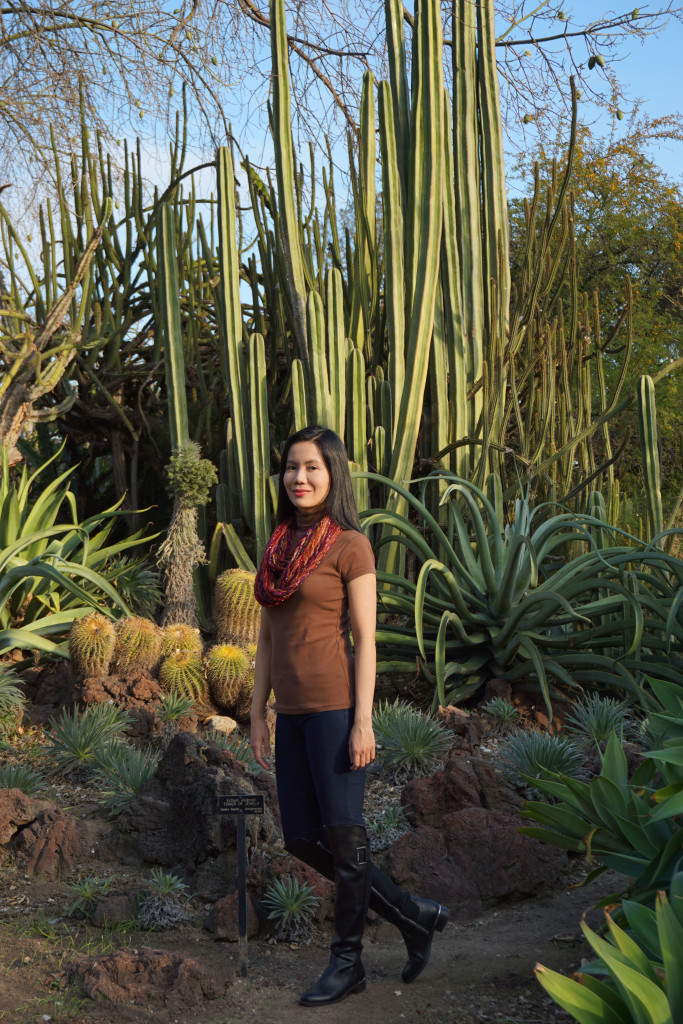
column 123, row 770
column 291, row 905
column 74, row 741
column 12, row 700
column 494, row 599
column 409, row 742
column 54, row 568
column 642, row 968
column 623, row 824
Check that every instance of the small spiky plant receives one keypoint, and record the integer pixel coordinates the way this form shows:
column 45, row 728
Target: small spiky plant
column 236, row 610
column 91, row 645
column 183, row 674
column 12, row 700
column 138, row 645
column 291, row 904
column 181, row 639
column 227, row 669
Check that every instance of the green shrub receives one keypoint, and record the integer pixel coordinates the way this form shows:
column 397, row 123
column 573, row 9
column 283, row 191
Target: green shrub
column 161, row 907
column 18, row 776
column 74, row 740
column 409, row 742
column 532, row 754
column 123, row 770
column 137, row 583
column 594, row 718
column 173, row 707
column 86, row 893
column 291, row 904
column 239, row 747
column 502, row 711
column 390, row 825
column 12, row 700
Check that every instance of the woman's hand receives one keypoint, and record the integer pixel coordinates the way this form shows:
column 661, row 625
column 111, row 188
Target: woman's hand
column 260, row 742
column 361, row 745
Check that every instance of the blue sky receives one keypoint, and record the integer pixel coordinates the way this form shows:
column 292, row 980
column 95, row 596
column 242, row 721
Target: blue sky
column 650, row 71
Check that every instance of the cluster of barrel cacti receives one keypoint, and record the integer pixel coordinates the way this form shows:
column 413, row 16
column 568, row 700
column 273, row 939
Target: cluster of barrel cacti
column 230, row 664
column 223, row 675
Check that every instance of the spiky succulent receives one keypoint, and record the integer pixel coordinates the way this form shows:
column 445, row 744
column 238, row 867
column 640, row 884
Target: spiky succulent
column 138, row 645
column 227, row 670
column 91, row 645
column 236, row 610
column 183, row 674
column 181, row 639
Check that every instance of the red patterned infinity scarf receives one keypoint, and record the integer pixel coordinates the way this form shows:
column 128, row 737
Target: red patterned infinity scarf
column 282, row 571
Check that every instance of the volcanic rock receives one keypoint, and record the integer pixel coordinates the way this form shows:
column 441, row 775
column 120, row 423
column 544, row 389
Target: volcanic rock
column 143, row 976
column 54, row 843
column 467, row 727
column 175, row 821
column 223, row 921
column 466, row 850
column 16, row 811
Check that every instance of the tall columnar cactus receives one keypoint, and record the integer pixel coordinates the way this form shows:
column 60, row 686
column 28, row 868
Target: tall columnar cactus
column 649, row 446
column 91, row 645
column 237, row 614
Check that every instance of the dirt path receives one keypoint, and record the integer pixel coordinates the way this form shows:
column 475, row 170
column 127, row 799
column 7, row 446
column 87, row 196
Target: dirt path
column 479, row 971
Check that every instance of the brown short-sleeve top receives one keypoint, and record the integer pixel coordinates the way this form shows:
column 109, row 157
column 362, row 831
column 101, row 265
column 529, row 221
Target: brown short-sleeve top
column 312, row 667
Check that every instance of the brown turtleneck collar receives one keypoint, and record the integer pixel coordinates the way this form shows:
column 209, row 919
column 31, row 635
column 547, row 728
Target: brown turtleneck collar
column 307, row 518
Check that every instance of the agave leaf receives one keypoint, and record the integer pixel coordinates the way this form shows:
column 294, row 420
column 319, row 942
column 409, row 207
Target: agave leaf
column 671, row 940
column 630, row 948
column 584, row 1004
column 558, row 818
column 643, row 923
column 558, row 839
column 644, row 997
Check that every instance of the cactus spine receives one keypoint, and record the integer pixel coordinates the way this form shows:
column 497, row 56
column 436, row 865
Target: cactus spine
column 236, row 611
column 181, row 639
column 138, row 645
column 183, row 673
column 227, row 670
column 91, row 645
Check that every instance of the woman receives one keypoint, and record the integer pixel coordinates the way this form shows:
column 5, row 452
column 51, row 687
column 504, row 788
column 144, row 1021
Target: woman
column 317, row 580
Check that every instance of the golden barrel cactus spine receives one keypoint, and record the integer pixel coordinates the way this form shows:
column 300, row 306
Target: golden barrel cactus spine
column 181, row 639
column 183, row 674
column 138, row 645
column 91, row 645
column 236, row 611
column 227, row 669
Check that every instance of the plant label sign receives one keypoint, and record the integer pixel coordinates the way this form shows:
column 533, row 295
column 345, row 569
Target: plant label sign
column 241, row 804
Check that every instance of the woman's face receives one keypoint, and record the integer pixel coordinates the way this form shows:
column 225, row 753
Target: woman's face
column 306, row 477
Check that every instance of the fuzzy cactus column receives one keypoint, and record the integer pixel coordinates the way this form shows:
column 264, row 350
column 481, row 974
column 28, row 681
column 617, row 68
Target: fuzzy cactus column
column 190, row 478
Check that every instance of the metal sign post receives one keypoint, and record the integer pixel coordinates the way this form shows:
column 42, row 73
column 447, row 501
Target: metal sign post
column 240, row 805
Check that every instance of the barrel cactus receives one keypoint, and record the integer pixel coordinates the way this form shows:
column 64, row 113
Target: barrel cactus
column 183, row 674
column 181, row 639
column 91, row 645
column 227, row 670
column 236, row 611
column 138, row 645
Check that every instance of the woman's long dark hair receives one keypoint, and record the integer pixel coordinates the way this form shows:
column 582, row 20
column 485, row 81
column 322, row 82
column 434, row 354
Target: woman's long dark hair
column 339, row 504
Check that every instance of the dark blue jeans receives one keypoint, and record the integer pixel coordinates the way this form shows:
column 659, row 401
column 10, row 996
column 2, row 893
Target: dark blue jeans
column 315, row 784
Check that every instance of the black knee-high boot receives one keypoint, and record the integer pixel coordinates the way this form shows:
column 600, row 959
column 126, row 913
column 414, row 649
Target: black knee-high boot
column 350, row 855
column 417, row 919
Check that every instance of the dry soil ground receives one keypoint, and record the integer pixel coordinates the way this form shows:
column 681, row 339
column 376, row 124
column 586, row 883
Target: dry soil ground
column 481, row 971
